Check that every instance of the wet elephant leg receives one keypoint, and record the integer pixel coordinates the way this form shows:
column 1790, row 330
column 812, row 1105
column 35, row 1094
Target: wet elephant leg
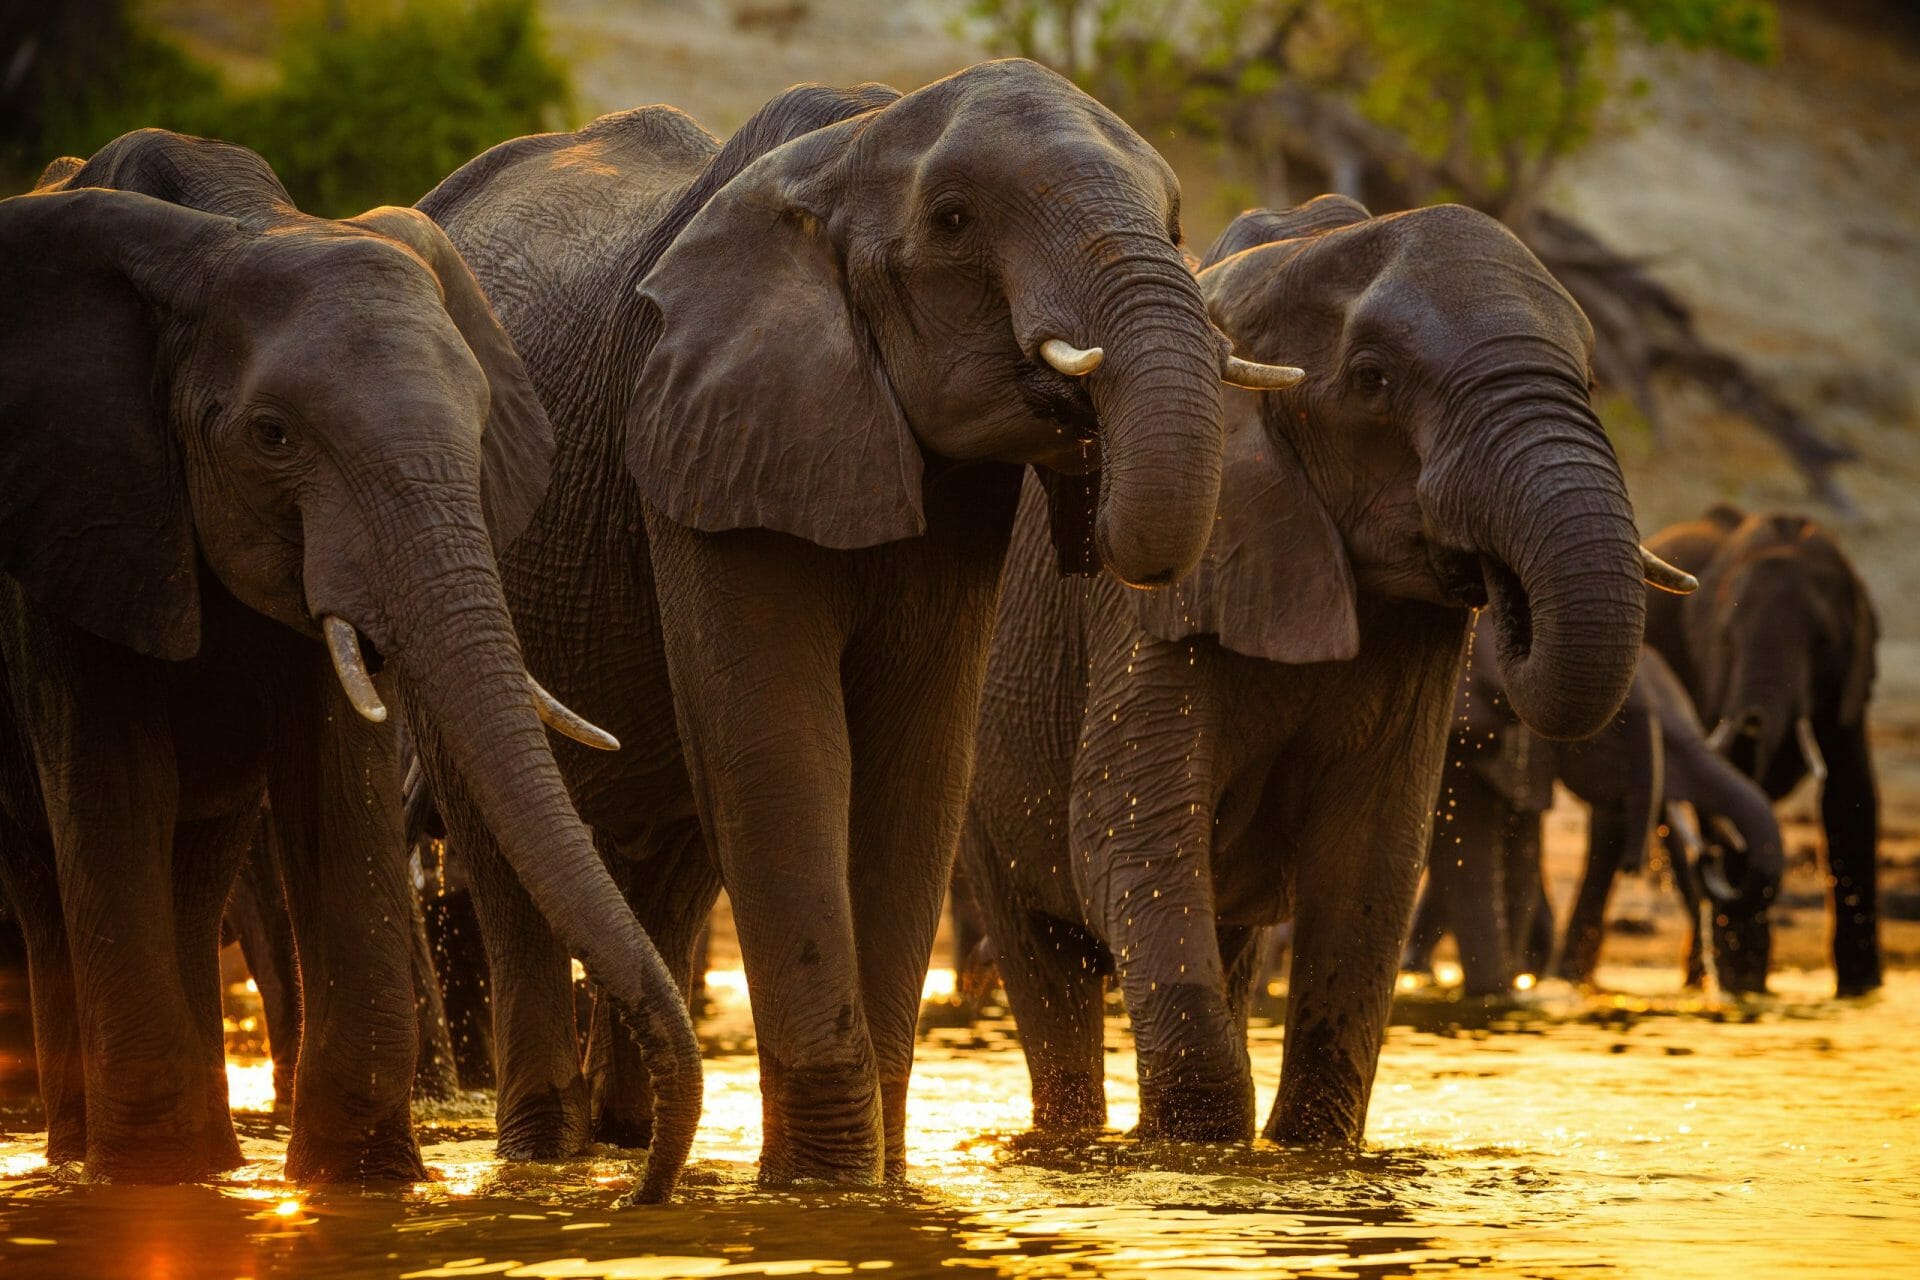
column 206, row 859
column 1540, row 935
column 26, row 862
column 916, row 703
column 1850, row 811
column 540, row 1107
column 460, row 958
column 1521, row 889
column 1607, row 841
column 1686, row 883
column 1467, row 868
column 1055, row 978
column 435, row 1077
column 334, row 796
column 258, row 913
column 755, row 626
column 1356, row 872
column 1429, row 927
column 1241, row 947
column 672, row 889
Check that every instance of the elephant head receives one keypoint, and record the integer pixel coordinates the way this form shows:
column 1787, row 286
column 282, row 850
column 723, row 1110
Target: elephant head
column 1786, row 627
column 1442, row 448
column 986, row 268
column 327, row 417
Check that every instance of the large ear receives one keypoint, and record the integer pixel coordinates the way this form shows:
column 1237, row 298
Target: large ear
column 1274, row 582
column 94, row 517
column 516, row 450
column 1266, row 226
column 764, row 404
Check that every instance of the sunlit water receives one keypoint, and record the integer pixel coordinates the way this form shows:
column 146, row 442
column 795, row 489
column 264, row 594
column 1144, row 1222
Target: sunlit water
column 1647, row 1133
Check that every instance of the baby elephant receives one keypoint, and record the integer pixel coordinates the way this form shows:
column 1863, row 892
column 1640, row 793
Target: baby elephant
column 1484, row 873
column 1161, row 774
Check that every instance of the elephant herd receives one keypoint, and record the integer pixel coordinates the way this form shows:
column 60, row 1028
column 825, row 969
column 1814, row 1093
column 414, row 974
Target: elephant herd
column 887, row 486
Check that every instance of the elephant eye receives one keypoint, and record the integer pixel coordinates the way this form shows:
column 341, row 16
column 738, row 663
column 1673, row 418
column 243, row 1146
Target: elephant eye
column 270, row 433
column 1368, row 381
column 951, row 218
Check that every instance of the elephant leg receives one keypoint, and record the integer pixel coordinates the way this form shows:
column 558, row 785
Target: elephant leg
column 335, row 801
column 435, row 1077
column 672, row 891
column 111, row 789
column 206, row 859
column 1607, row 842
column 1467, row 868
column 1241, row 950
column 1686, row 883
column 919, row 704
column 1850, row 812
column 1357, row 868
column 258, row 913
column 28, row 869
column 1521, row 889
column 755, row 626
column 1540, row 934
column 1055, row 978
column 540, row 1104
column 1429, row 926
column 460, row 957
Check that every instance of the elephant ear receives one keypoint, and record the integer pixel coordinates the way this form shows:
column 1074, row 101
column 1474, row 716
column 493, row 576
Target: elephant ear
column 516, row 449
column 94, row 516
column 1256, row 227
column 764, row 403
column 1274, row 582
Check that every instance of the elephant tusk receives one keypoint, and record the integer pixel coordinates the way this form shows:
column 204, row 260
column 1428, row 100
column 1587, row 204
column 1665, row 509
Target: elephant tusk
column 1071, row 360
column 1665, row 576
column 1810, row 748
column 557, row 715
column 412, row 780
column 1260, row 377
column 1681, row 820
column 1722, row 734
column 1727, row 834
column 343, row 642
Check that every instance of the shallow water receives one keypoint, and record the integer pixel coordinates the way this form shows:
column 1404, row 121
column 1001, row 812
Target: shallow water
column 1648, row 1132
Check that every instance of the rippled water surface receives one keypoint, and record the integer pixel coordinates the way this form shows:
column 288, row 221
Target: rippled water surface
column 1643, row 1133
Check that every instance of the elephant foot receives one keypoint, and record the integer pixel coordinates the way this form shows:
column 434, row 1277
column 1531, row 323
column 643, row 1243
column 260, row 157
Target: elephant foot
column 824, row 1125
column 1068, row 1101
column 385, row 1152
column 617, row 1130
column 1197, row 1112
column 549, row 1125
column 141, row 1160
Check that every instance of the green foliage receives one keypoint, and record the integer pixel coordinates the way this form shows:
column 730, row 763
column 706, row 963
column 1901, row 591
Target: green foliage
column 379, row 109
column 372, row 104
column 1485, row 94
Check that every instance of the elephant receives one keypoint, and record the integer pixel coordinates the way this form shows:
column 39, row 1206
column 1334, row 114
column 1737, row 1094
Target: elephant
column 795, row 381
column 255, row 470
column 1161, row 776
column 1777, row 651
column 1484, row 882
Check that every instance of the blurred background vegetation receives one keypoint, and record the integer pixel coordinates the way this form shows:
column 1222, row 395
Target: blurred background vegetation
column 368, row 101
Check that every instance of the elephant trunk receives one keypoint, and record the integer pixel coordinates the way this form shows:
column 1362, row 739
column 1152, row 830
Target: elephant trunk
column 1547, row 509
column 441, row 619
column 1157, row 394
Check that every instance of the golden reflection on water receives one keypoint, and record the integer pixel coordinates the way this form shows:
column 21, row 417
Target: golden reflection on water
column 1641, row 1132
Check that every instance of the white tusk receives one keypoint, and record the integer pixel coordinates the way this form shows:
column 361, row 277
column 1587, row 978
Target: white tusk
column 1728, row 834
column 348, row 663
column 1722, row 734
column 558, row 715
column 1681, row 820
column 1260, row 377
column 1665, row 576
column 1816, row 763
column 1071, row 360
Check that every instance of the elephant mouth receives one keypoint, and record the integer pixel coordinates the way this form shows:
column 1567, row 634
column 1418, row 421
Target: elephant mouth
column 1055, row 398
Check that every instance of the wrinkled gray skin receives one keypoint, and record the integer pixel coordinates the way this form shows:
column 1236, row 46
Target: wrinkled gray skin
column 1160, row 778
column 221, row 421
column 1782, row 629
column 1484, row 871
column 787, row 475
